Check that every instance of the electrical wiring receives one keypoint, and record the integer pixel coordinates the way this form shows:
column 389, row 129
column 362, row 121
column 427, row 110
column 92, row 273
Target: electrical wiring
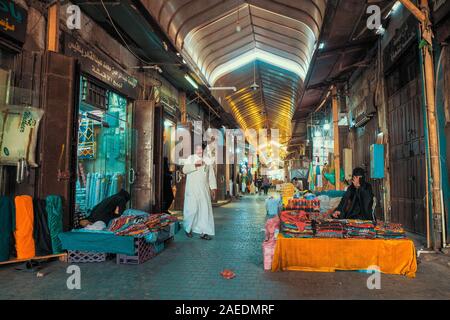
column 120, row 35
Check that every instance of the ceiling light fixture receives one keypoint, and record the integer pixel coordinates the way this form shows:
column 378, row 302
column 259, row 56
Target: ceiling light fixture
column 257, row 54
column 191, row 81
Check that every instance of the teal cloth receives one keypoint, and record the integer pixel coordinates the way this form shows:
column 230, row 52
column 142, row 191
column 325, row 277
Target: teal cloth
column 104, row 242
column 55, row 221
column 331, row 193
column 7, row 226
column 331, row 177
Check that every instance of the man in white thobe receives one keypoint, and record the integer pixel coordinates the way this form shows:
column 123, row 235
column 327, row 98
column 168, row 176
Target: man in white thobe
column 197, row 211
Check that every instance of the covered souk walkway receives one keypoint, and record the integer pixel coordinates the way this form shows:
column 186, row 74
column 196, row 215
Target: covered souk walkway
column 190, row 269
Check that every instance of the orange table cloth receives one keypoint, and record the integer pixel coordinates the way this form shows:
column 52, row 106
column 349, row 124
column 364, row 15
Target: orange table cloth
column 328, row 255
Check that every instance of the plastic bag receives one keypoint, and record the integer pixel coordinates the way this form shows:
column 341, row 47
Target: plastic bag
column 18, row 134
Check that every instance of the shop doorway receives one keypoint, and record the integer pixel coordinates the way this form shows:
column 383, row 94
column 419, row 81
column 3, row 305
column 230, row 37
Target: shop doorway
column 103, row 145
column 407, row 143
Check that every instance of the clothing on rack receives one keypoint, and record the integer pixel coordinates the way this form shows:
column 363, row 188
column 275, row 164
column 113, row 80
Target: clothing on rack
column 273, row 206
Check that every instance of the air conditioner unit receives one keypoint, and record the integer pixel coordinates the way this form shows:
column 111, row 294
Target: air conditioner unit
column 365, row 111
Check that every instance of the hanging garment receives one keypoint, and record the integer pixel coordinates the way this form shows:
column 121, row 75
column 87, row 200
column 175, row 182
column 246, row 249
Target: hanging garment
column 41, row 232
column 198, row 212
column 6, row 227
column 105, row 210
column 55, row 221
column 86, row 139
column 273, row 206
column 23, row 233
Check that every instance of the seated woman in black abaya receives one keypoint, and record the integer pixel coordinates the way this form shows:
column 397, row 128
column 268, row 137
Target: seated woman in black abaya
column 110, row 208
column 357, row 201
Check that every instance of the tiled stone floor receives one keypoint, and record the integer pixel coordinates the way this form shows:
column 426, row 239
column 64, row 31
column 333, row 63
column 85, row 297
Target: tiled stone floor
column 189, row 269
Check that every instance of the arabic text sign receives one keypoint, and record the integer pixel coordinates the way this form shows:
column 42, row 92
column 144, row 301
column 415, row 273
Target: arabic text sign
column 101, row 67
column 13, row 20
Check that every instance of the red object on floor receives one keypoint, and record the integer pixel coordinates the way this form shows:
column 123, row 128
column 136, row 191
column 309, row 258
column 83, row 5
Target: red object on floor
column 228, row 274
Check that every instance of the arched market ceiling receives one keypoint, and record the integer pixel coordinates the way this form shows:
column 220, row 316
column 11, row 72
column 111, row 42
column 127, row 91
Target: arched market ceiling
column 224, row 38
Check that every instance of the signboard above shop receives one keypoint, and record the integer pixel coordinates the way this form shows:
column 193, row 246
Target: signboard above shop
column 101, row 67
column 13, row 21
column 400, row 42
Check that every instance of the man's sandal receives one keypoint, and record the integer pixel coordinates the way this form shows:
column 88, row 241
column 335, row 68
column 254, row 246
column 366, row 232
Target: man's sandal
column 205, row 237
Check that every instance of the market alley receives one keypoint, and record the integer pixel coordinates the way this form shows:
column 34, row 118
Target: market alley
column 190, row 269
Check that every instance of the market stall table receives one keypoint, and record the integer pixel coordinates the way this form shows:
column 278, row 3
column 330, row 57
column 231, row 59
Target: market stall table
column 329, row 255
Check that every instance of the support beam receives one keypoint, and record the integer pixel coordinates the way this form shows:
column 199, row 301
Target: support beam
column 182, row 98
column 53, row 27
column 414, row 10
column 337, row 157
column 423, row 15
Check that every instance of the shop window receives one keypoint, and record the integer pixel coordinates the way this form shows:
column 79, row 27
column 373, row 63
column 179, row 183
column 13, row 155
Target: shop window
column 93, row 94
column 103, row 148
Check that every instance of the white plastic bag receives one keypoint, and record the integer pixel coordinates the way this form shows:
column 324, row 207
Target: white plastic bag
column 18, row 134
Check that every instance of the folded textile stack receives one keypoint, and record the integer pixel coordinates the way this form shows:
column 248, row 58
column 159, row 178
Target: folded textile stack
column 386, row 230
column 330, row 228
column 360, row 229
column 140, row 226
column 304, row 205
column 296, row 224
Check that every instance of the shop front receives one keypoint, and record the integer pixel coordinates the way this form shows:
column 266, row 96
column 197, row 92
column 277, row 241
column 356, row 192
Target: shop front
column 105, row 135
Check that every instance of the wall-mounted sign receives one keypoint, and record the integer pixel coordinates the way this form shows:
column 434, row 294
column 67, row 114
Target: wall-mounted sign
column 13, row 21
column 101, row 67
column 402, row 39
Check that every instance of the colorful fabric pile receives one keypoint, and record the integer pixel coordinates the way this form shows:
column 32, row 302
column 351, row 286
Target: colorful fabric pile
column 304, row 205
column 296, row 224
column 141, row 225
column 330, row 228
column 360, row 229
column 387, row 230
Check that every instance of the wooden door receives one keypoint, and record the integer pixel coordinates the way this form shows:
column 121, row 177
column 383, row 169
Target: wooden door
column 57, row 174
column 407, row 157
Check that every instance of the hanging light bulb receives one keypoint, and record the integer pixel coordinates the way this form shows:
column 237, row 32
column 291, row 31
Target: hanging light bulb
column 326, row 126
column 238, row 26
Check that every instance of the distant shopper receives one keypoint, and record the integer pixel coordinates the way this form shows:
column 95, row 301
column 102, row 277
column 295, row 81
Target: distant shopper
column 266, row 185
column 167, row 188
column 357, row 201
column 200, row 186
column 259, row 183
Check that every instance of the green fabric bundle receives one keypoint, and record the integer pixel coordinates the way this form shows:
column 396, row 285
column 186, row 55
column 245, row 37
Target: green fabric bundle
column 55, row 221
column 7, row 226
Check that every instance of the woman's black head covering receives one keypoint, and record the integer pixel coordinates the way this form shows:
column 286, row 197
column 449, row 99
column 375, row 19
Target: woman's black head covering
column 359, row 172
